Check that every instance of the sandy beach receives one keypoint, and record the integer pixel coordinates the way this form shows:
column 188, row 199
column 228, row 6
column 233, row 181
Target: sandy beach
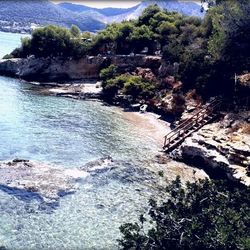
column 155, row 129
column 150, row 125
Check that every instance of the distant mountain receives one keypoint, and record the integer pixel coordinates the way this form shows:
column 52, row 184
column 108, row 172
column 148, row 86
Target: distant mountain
column 185, row 8
column 108, row 15
column 105, row 11
column 22, row 15
column 189, row 8
column 16, row 13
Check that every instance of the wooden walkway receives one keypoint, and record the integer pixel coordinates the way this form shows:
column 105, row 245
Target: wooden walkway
column 202, row 116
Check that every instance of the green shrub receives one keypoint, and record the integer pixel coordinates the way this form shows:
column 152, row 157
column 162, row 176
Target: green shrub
column 135, row 86
column 108, row 73
column 138, row 87
column 53, row 41
column 202, row 215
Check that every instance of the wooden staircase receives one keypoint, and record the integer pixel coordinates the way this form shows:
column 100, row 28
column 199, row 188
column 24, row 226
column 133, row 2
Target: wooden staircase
column 202, row 116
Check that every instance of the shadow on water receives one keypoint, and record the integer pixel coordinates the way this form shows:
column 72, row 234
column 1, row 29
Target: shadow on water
column 21, row 194
column 121, row 171
column 28, row 197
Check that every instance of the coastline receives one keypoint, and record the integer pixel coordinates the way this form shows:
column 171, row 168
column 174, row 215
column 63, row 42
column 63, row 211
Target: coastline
column 155, row 129
column 151, row 125
column 147, row 124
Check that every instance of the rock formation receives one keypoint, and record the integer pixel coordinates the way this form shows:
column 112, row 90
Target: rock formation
column 59, row 69
column 222, row 146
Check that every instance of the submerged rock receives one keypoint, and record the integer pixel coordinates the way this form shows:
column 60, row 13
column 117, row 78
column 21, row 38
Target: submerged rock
column 31, row 180
column 98, row 166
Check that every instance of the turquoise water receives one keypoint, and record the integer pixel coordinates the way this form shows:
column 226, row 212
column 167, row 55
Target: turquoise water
column 8, row 42
column 70, row 133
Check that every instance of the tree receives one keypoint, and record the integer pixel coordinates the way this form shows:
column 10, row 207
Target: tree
column 131, row 85
column 75, row 31
column 147, row 14
column 141, row 37
column 52, row 41
column 167, row 28
column 137, row 87
column 202, row 215
column 108, row 73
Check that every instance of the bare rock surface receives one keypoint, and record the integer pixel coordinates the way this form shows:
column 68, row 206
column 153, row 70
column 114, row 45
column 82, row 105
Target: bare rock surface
column 223, row 145
column 61, row 69
column 72, row 90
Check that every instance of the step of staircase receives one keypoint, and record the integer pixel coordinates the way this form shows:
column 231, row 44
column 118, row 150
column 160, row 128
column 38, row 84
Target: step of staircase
column 198, row 120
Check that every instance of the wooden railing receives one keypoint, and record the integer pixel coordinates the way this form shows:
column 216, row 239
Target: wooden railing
column 203, row 115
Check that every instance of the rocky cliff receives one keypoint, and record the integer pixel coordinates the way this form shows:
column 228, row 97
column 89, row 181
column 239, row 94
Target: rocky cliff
column 59, row 69
column 222, row 147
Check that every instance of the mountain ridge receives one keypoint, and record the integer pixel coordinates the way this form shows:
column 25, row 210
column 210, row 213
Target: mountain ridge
column 15, row 13
column 189, row 8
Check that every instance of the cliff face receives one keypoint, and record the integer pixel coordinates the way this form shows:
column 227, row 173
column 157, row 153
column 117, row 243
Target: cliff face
column 222, row 146
column 58, row 69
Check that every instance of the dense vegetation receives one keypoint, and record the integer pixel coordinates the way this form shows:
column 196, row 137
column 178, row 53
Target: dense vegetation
column 207, row 51
column 202, row 215
column 52, row 41
column 130, row 85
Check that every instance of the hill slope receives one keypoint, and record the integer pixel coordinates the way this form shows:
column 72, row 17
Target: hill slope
column 41, row 12
column 105, row 11
column 108, row 15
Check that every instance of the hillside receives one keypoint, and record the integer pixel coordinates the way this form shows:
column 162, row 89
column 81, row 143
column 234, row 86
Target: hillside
column 105, row 11
column 16, row 15
column 185, row 8
column 109, row 15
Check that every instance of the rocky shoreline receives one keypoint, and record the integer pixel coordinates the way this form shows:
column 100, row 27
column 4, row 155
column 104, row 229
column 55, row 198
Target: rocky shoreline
column 221, row 147
column 46, row 183
column 31, row 180
column 76, row 90
column 214, row 145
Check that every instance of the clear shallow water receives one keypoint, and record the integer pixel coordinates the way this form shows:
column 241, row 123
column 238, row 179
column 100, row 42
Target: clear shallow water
column 71, row 133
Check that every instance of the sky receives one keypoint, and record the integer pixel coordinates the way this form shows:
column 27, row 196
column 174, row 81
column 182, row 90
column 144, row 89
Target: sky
column 104, row 4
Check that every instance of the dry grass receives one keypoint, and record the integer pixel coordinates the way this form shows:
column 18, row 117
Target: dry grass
column 192, row 95
column 245, row 128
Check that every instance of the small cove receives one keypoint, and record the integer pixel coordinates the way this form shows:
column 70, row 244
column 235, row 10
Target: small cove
column 71, row 133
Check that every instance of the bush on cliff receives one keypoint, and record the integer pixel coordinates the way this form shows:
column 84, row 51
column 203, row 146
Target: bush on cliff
column 108, row 73
column 202, row 215
column 134, row 86
column 137, row 87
